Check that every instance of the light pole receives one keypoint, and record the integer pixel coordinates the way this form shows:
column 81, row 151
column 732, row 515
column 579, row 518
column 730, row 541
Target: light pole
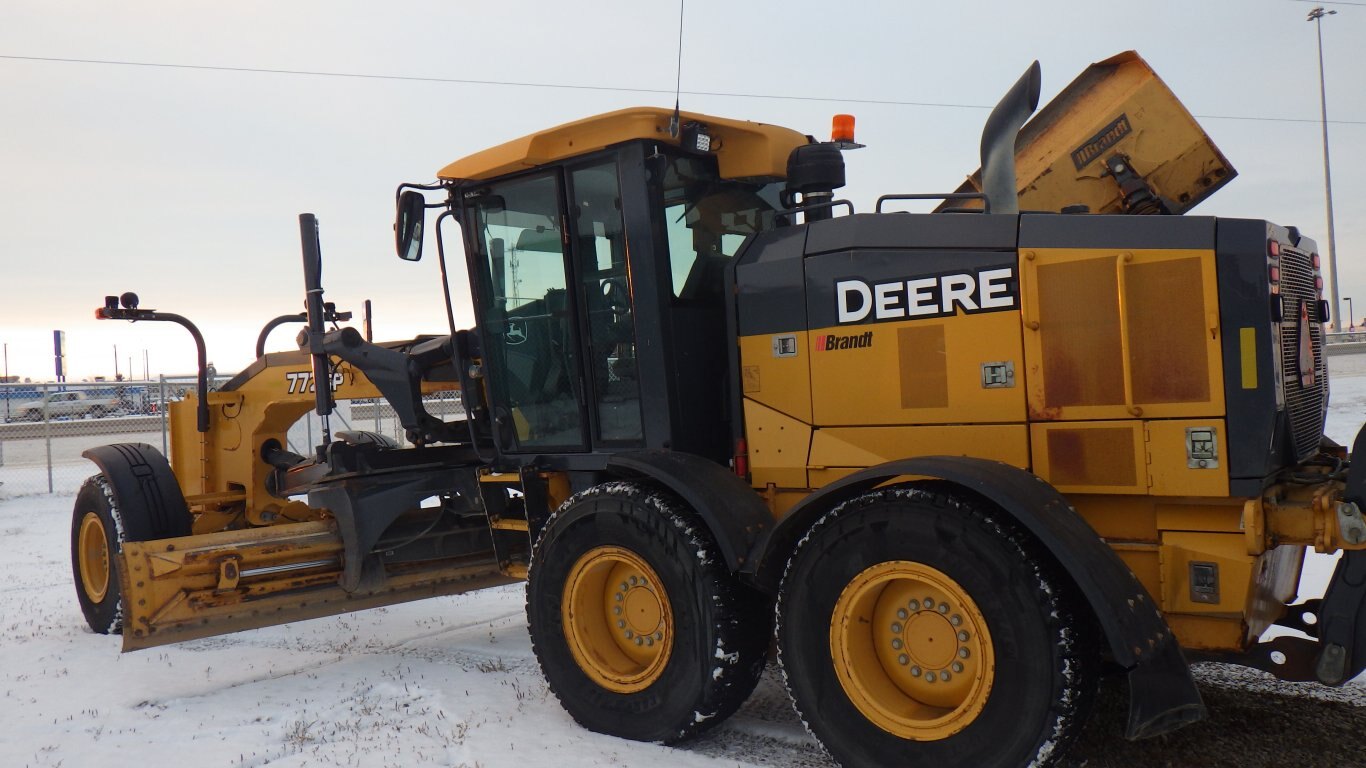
column 1316, row 16
column 1351, row 321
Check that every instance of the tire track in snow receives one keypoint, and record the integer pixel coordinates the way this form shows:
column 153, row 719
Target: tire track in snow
column 213, row 644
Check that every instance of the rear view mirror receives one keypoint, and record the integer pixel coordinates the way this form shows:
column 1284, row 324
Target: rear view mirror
column 408, row 223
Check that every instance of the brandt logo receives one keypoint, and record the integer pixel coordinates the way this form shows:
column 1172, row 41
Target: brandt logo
column 827, row 342
column 1108, row 137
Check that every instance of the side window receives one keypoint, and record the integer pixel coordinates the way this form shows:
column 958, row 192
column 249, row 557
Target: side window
column 707, row 219
column 607, row 298
column 527, row 322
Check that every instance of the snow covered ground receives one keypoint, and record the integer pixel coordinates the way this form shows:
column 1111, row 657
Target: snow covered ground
column 452, row 682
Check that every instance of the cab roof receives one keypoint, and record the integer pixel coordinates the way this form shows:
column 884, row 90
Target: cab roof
column 743, row 150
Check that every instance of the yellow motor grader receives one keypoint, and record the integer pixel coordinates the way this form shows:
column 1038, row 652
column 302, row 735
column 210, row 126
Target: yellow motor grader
column 965, row 461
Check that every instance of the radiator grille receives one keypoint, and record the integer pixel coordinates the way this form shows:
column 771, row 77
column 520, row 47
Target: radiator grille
column 1305, row 405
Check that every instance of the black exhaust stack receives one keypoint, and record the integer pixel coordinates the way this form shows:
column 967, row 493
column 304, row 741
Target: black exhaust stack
column 998, row 141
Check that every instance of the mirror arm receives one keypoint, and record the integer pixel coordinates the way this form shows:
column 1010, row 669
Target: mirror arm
column 441, row 262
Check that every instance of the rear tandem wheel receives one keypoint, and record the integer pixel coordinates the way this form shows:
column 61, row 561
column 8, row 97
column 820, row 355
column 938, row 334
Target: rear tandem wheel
column 916, row 630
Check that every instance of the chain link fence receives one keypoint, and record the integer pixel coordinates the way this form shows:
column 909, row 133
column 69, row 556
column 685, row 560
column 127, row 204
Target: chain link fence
column 47, row 426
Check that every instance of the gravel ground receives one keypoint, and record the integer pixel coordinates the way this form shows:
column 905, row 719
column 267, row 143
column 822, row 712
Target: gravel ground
column 1255, row 721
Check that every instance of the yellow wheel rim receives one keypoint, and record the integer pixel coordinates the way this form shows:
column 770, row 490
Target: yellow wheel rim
column 617, row 619
column 912, row 650
column 93, row 557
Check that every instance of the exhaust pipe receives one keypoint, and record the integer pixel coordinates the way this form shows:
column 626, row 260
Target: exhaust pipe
column 998, row 141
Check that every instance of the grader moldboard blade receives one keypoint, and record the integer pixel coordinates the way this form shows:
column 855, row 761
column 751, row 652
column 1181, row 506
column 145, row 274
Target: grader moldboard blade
column 211, row 584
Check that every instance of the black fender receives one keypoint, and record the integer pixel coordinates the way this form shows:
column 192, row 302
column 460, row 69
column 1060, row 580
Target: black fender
column 732, row 511
column 145, row 490
column 1163, row 695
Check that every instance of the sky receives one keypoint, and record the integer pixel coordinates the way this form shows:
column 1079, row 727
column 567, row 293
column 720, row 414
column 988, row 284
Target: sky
column 184, row 184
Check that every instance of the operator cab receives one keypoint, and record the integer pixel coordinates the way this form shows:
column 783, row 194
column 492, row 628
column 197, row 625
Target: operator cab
column 598, row 280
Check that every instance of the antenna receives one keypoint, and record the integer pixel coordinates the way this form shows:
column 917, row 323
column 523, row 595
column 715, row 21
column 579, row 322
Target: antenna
column 678, row 82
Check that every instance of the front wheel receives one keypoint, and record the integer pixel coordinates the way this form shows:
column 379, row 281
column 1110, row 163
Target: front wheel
column 916, row 630
column 641, row 630
column 96, row 539
column 100, row 525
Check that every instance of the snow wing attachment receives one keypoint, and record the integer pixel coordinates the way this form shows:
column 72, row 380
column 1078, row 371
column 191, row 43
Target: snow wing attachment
column 1115, row 140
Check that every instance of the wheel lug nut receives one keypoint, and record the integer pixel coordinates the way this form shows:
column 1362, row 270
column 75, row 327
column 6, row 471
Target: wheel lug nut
column 930, row 677
column 915, row 671
column 915, row 605
column 634, row 581
column 640, row 641
column 902, row 613
column 621, row 624
column 963, row 653
column 659, row 635
column 943, row 607
column 630, row 634
column 620, row 597
column 896, row 643
column 963, row 636
column 944, row 675
column 625, row 586
column 958, row 666
column 929, row 604
column 649, row 641
column 616, row 610
column 903, row 660
column 956, row 620
column 896, row 627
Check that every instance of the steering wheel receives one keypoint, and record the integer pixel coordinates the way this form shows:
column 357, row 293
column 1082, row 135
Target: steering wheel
column 616, row 297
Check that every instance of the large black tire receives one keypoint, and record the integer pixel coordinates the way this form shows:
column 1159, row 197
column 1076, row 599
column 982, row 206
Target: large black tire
column 97, row 515
column 1023, row 708
column 717, row 630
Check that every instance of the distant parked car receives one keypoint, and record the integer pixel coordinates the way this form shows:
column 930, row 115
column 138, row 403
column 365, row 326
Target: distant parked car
column 67, row 404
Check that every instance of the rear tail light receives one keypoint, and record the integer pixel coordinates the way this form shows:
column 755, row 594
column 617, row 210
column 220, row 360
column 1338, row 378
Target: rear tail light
column 740, row 463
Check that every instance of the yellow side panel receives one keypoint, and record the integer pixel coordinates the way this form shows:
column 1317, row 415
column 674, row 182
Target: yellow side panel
column 778, row 447
column 1169, row 459
column 918, row 372
column 1227, row 551
column 770, row 376
column 866, row 446
column 1208, row 633
column 1213, row 518
column 1119, row 518
column 1121, row 334
column 1091, row 457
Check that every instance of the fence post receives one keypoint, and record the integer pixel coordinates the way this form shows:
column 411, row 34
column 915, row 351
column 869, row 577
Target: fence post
column 164, row 408
column 47, row 436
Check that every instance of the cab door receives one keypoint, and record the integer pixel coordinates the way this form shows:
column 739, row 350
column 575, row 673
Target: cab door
column 530, row 340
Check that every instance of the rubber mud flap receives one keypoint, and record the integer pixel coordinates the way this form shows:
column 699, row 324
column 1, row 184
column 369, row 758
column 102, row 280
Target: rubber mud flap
column 1162, row 693
column 1356, row 481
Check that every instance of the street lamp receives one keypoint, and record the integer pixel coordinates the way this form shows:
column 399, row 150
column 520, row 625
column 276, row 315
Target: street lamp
column 1316, row 16
column 1351, row 322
